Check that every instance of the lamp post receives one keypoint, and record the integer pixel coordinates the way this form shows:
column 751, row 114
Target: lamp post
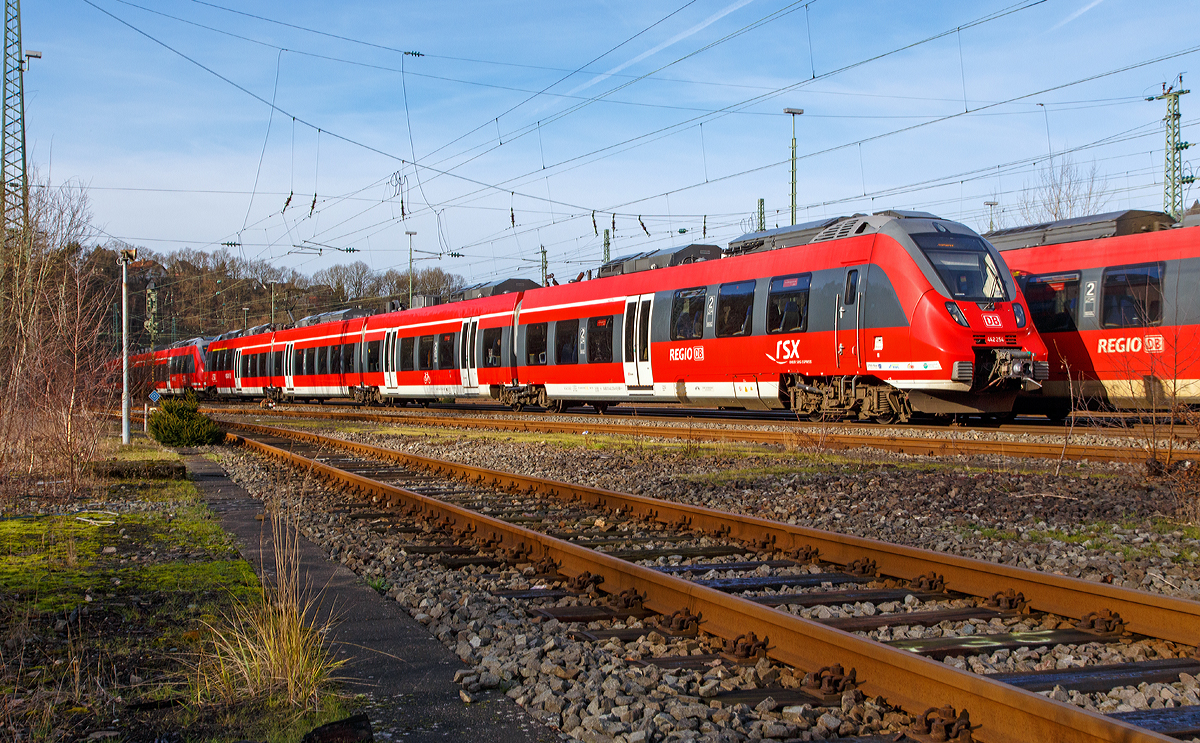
column 410, row 234
column 245, row 318
column 794, row 112
column 991, row 205
column 126, row 257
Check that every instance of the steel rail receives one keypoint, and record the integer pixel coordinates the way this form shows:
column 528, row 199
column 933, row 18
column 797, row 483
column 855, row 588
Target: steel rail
column 801, row 437
column 1005, row 713
column 1155, row 615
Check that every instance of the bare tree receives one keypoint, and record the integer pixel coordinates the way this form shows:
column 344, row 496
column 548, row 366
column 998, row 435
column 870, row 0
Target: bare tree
column 53, row 364
column 1064, row 190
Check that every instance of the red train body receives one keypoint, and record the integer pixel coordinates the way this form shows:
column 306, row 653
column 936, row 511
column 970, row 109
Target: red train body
column 1119, row 310
column 174, row 370
column 868, row 317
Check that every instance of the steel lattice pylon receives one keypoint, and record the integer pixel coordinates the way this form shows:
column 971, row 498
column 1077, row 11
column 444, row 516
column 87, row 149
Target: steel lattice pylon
column 15, row 181
column 1173, row 179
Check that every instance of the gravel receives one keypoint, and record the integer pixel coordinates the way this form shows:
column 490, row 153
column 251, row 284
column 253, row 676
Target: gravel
column 1099, row 522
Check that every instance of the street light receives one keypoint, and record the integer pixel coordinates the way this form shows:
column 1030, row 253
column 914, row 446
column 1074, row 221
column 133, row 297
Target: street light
column 991, row 205
column 794, row 112
column 245, row 318
column 410, row 234
column 126, row 257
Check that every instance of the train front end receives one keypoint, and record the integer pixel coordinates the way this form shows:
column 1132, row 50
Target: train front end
column 971, row 318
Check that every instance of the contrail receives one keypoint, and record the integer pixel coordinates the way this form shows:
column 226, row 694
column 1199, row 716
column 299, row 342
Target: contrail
column 1076, row 14
column 673, row 40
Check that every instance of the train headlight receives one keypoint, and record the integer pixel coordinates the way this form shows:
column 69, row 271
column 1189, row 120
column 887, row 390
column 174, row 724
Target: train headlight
column 957, row 314
column 1019, row 314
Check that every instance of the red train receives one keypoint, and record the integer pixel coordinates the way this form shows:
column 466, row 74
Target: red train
column 173, row 370
column 1114, row 296
column 872, row 317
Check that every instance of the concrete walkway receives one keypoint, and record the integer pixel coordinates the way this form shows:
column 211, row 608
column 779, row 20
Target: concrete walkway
column 405, row 671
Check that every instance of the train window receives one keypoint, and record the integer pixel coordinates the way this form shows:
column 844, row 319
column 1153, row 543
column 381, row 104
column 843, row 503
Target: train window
column 310, row 361
column 407, row 348
column 297, row 361
column 348, row 350
column 566, row 342
column 1133, row 296
column 735, row 309
column 630, row 319
column 335, row 359
column 599, row 340
column 964, row 265
column 244, row 363
column 492, row 355
column 787, row 304
column 279, row 363
column 687, row 314
column 644, row 332
column 1053, row 301
column 851, row 292
column 254, row 364
column 425, row 352
column 322, row 359
column 535, row 343
column 189, row 365
column 445, row 355
column 373, row 356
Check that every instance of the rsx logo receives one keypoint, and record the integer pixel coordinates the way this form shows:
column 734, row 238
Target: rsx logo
column 785, row 350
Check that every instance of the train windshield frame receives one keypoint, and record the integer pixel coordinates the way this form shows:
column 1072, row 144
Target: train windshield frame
column 964, row 264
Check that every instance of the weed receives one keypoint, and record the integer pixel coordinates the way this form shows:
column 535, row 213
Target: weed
column 267, row 650
column 380, row 585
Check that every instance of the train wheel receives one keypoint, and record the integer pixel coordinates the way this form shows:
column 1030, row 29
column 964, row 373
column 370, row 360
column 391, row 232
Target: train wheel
column 601, row 407
column 557, row 406
column 887, row 418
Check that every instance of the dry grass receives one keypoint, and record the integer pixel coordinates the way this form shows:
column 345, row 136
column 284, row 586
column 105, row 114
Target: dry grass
column 271, row 650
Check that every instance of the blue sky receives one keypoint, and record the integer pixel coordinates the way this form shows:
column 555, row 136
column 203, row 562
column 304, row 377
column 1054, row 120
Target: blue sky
column 544, row 112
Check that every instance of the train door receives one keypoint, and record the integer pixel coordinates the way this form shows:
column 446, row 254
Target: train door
column 390, row 367
column 289, row 356
column 467, row 364
column 848, row 320
column 237, row 370
column 636, row 345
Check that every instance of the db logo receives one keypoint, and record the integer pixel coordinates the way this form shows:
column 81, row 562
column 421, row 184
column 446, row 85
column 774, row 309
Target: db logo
column 993, row 321
column 1154, row 343
column 693, row 353
column 785, row 351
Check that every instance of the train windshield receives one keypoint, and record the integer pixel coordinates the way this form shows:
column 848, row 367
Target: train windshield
column 965, row 266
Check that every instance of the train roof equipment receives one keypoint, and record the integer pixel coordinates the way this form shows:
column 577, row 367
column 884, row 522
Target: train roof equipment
column 1076, row 229
column 492, row 289
column 651, row 259
column 820, row 230
column 335, row 316
column 780, row 237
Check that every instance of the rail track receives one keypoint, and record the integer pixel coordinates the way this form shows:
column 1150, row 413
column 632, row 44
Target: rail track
column 595, row 538
column 795, row 435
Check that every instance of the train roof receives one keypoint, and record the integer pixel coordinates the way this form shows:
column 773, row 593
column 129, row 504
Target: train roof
column 493, row 288
column 651, row 259
column 1091, row 227
column 335, row 316
column 830, row 228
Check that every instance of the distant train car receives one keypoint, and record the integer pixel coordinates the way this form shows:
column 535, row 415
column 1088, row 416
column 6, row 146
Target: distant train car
column 1116, row 298
column 174, row 370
